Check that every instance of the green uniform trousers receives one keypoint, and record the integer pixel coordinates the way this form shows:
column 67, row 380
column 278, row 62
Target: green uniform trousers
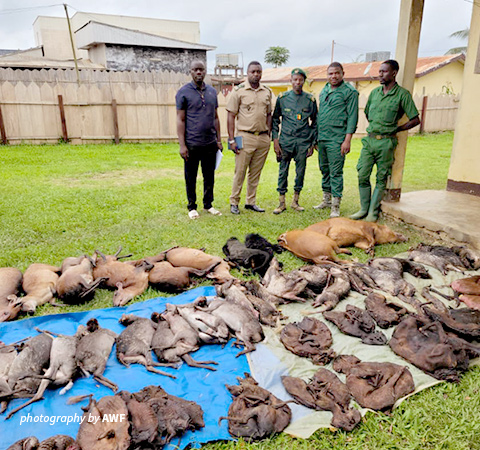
column 331, row 161
column 299, row 155
column 379, row 152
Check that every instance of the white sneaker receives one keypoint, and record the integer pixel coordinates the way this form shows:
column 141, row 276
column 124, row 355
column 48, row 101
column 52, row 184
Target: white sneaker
column 193, row 214
column 214, row 211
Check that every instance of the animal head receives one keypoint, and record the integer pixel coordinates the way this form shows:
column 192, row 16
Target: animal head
column 11, row 310
column 92, row 325
column 384, row 235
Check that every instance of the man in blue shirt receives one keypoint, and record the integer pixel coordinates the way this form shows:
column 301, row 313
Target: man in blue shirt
column 198, row 129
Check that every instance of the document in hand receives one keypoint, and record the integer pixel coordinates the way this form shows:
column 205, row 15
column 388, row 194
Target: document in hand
column 218, row 158
column 238, row 141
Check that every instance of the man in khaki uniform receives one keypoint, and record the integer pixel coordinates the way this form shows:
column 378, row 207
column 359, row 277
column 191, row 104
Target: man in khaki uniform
column 250, row 104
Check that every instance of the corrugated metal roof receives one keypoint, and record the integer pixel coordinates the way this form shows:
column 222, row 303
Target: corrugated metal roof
column 93, row 33
column 358, row 71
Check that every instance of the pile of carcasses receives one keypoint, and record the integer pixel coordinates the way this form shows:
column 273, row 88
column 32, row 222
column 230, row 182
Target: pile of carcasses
column 77, row 278
column 49, row 360
column 150, row 418
column 435, row 338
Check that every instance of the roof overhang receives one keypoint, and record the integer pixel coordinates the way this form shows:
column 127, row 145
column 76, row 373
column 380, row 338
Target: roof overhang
column 96, row 33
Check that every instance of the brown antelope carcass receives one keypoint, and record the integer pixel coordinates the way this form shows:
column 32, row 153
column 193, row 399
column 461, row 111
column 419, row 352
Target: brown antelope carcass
column 39, row 281
column 197, row 259
column 364, row 235
column 10, row 286
column 129, row 279
column 310, row 246
column 76, row 283
column 166, row 277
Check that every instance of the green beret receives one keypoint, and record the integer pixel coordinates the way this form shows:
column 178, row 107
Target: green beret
column 299, row 71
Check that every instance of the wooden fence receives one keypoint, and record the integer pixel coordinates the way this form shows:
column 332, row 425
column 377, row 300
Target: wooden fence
column 42, row 106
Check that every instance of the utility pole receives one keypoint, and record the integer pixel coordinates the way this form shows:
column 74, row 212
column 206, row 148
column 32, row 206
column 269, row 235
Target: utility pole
column 333, row 49
column 73, row 45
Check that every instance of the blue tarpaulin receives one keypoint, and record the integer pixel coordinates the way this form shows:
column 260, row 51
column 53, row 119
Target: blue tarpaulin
column 49, row 417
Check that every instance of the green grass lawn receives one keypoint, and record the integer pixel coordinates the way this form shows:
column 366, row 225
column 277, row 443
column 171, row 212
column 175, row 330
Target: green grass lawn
column 62, row 200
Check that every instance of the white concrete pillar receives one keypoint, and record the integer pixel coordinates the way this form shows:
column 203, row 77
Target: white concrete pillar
column 406, row 53
column 464, row 173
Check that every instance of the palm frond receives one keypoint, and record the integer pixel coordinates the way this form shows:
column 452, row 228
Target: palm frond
column 461, row 34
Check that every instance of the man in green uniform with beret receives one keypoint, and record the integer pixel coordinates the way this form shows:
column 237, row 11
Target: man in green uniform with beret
column 296, row 113
column 385, row 106
column 336, row 123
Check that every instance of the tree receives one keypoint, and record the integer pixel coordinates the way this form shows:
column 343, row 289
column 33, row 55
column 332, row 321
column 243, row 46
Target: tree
column 278, row 56
column 463, row 35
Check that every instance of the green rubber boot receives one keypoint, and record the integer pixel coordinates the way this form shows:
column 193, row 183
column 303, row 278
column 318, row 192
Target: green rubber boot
column 365, row 193
column 374, row 210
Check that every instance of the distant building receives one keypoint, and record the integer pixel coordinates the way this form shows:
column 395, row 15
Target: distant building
column 112, row 42
column 434, row 75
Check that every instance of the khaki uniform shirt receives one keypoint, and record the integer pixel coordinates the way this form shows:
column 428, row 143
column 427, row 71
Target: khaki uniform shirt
column 383, row 111
column 251, row 106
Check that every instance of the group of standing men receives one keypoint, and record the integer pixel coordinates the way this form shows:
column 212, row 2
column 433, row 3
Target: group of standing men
column 297, row 127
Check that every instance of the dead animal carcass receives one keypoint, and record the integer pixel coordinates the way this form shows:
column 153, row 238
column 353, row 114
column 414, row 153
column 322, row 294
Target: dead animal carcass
column 105, row 425
column 356, row 322
column 255, row 413
column 325, row 392
column 310, row 246
column 426, row 345
column 375, row 385
column 310, row 338
column 10, row 286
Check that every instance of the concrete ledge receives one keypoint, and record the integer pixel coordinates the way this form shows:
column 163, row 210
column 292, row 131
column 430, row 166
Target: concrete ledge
column 456, row 214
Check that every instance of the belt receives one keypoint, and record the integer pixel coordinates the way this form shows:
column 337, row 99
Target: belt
column 381, row 136
column 256, row 133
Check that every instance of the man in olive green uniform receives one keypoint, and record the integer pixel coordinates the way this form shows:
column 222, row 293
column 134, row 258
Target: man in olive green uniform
column 297, row 112
column 250, row 105
column 336, row 123
column 385, row 107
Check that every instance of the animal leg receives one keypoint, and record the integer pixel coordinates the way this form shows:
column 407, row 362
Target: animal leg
column 367, row 245
column 160, row 372
column 66, row 388
column 106, row 382
column 38, row 396
column 342, row 250
column 249, row 347
column 200, row 364
column 202, row 273
column 93, row 286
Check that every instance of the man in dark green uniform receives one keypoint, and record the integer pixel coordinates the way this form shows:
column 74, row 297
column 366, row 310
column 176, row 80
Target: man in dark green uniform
column 385, row 107
column 296, row 111
column 336, row 122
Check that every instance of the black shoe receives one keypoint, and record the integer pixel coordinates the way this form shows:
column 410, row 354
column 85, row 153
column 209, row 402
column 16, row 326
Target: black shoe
column 234, row 209
column 254, row 208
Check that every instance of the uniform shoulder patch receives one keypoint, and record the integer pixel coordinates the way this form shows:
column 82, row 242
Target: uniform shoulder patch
column 240, row 86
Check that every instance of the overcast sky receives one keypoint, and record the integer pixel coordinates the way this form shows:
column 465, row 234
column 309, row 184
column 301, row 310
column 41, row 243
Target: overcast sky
column 306, row 28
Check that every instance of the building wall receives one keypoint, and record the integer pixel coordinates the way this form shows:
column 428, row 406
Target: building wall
column 447, row 80
column 98, row 55
column 464, row 172
column 52, row 33
column 153, row 59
